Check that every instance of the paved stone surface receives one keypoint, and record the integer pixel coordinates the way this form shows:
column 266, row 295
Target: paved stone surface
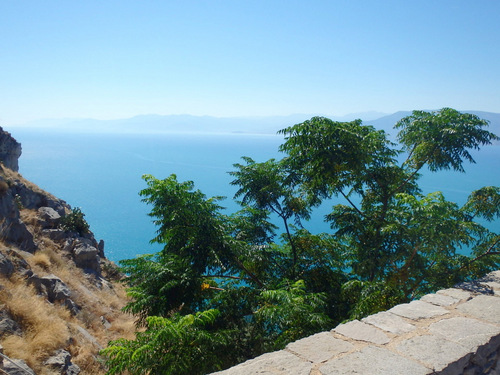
column 319, row 347
column 434, row 351
column 483, row 307
column 374, row 361
column 389, row 322
column 470, row 333
column 418, row 310
column 439, row 299
column 276, row 363
column 361, row 331
column 459, row 294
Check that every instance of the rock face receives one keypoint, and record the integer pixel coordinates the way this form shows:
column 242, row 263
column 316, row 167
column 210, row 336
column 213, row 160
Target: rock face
column 12, row 229
column 10, row 150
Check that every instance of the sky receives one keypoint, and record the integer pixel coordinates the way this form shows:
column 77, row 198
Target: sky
column 118, row 59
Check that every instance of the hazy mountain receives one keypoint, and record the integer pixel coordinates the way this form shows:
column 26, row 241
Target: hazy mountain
column 209, row 124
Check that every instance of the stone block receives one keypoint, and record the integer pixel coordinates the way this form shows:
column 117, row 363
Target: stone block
column 470, row 333
column 372, row 361
column 436, row 353
column 459, row 294
column 482, row 307
column 416, row 310
column 276, row 363
column 361, row 331
column 439, row 299
column 319, row 347
column 389, row 322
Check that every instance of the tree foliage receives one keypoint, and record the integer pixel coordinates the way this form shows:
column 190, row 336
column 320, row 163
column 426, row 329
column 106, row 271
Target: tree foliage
column 232, row 279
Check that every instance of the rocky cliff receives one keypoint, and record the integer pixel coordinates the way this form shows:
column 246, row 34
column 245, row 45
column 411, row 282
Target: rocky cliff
column 59, row 303
column 10, row 150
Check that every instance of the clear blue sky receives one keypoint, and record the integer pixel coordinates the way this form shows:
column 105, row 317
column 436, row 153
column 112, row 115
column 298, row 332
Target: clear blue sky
column 116, row 59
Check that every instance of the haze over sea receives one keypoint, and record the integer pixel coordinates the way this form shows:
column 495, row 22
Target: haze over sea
column 101, row 174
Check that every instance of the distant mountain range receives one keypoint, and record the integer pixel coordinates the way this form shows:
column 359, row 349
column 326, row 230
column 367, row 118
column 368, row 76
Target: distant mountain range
column 208, row 124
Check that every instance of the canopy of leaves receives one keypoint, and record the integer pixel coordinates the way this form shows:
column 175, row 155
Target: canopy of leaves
column 227, row 288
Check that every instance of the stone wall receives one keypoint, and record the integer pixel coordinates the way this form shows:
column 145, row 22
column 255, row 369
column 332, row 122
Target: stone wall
column 454, row 331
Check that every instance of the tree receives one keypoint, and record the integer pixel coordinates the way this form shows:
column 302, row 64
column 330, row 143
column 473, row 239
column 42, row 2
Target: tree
column 266, row 187
column 395, row 239
column 230, row 279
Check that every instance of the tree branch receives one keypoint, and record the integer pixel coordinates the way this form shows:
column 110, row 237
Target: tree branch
column 352, row 204
column 486, row 253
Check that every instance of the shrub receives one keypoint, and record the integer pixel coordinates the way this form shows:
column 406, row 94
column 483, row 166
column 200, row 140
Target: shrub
column 75, row 222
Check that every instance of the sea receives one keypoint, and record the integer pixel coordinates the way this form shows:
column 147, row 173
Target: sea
column 101, row 173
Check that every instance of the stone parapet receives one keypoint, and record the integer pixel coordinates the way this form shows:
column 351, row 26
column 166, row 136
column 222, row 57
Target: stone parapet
column 454, row 331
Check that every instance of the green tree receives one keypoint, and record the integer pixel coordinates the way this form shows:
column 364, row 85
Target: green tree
column 395, row 240
column 267, row 187
column 223, row 279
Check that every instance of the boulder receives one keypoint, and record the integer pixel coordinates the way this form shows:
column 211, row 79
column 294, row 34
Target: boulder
column 51, row 286
column 85, row 254
column 61, row 362
column 49, row 218
column 55, row 290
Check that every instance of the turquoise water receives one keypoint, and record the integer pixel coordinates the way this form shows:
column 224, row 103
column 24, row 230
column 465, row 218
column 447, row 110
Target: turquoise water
column 101, row 174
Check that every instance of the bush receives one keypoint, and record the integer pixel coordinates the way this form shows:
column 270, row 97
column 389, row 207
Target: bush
column 75, row 222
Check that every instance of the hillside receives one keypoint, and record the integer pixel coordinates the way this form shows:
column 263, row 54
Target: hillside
column 60, row 302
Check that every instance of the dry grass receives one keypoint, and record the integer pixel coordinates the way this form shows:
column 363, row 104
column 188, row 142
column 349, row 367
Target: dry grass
column 41, row 260
column 29, row 217
column 47, row 327
column 44, row 325
column 86, row 359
